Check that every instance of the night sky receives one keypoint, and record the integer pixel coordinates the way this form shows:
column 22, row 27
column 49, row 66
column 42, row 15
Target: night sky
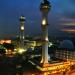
column 61, row 17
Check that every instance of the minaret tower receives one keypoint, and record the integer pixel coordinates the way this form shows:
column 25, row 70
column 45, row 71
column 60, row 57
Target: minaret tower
column 44, row 8
column 22, row 37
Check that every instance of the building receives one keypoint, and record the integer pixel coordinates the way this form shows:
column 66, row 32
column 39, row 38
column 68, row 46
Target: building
column 65, row 51
column 65, row 54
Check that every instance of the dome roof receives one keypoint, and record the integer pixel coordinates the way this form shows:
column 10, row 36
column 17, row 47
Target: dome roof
column 66, row 44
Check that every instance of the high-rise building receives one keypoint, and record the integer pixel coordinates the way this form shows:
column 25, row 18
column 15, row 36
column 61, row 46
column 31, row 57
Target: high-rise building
column 44, row 8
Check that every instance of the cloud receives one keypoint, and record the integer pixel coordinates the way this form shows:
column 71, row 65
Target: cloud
column 70, row 14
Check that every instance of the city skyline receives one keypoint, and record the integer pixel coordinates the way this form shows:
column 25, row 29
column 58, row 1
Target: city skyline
column 61, row 16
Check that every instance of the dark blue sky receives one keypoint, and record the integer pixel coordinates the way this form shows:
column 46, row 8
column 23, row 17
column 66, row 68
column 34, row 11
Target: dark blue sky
column 10, row 10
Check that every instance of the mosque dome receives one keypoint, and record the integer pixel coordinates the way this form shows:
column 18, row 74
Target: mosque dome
column 66, row 44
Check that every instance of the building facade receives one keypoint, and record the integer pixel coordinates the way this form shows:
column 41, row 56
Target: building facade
column 65, row 54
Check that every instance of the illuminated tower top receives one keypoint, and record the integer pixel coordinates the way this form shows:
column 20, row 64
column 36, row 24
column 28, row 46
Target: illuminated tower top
column 45, row 6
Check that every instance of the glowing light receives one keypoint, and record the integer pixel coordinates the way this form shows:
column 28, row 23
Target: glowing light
column 43, row 22
column 5, row 41
column 8, row 41
column 21, row 51
column 8, row 52
column 46, row 38
column 22, row 27
column 33, row 74
column 50, row 44
column 15, row 49
column 23, row 37
column 34, row 43
column 45, row 73
column 55, row 68
column 46, row 65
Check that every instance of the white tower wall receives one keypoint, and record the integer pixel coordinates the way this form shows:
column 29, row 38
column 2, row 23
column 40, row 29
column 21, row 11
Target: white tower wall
column 44, row 8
